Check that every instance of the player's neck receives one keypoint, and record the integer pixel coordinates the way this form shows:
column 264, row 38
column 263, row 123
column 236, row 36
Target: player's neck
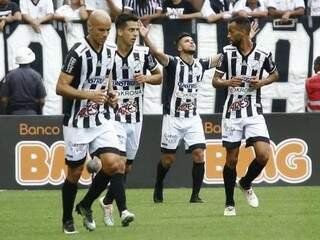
column 123, row 48
column 187, row 57
column 96, row 46
column 246, row 46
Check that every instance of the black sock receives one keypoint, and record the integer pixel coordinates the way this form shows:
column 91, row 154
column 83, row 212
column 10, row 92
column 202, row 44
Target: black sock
column 229, row 178
column 108, row 199
column 69, row 192
column 254, row 170
column 98, row 185
column 161, row 173
column 197, row 176
column 118, row 191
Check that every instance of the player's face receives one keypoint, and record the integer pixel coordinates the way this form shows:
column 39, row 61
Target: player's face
column 100, row 31
column 235, row 35
column 187, row 45
column 129, row 33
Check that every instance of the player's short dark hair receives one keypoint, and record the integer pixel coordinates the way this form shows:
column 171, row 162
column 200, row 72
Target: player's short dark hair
column 122, row 19
column 243, row 22
column 182, row 35
column 317, row 61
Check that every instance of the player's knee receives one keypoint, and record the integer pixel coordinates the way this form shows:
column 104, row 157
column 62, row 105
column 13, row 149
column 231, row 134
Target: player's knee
column 232, row 162
column 168, row 159
column 198, row 155
column 263, row 158
column 128, row 168
column 74, row 174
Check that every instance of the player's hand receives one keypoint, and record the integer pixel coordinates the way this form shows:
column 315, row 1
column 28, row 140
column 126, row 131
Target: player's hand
column 285, row 16
column 254, row 29
column 235, row 81
column 112, row 99
column 140, row 78
column 142, row 29
column 36, row 26
column 256, row 83
column 98, row 96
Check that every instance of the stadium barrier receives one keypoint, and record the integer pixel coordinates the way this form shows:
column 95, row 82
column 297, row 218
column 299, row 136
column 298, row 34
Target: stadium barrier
column 293, row 47
column 32, row 153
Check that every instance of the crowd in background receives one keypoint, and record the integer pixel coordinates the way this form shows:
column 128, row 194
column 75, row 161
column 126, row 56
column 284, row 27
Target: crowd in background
column 37, row 12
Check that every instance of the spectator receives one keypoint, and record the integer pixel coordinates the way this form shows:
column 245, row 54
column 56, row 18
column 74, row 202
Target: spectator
column 74, row 10
column 313, row 8
column 250, row 8
column 144, row 9
column 286, row 9
column 214, row 10
column 313, row 89
column 36, row 12
column 9, row 12
column 112, row 7
column 181, row 9
column 23, row 87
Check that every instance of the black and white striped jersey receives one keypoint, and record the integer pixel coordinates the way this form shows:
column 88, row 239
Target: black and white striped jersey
column 181, row 85
column 244, row 101
column 129, row 92
column 142, row 8
column 90, row 70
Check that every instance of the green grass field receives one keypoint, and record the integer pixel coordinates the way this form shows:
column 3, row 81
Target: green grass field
column 284, row 213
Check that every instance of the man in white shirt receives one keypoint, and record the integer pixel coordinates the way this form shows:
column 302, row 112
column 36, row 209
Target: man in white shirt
column 285, row 9
column 112, row 7
column 36, row 12
column 250, row 8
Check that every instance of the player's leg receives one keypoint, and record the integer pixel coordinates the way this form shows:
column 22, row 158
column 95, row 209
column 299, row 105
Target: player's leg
column 75, row 158
column 195, row 143
column 170, row 137
column 231, row 140
column 257, row 136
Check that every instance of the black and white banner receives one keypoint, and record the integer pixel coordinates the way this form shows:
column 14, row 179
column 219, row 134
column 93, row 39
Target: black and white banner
column 294, row 48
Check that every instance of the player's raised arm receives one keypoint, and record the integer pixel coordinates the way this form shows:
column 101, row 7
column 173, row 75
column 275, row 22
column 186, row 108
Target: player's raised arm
column 162, row 58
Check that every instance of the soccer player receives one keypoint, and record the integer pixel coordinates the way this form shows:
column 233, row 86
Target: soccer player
column 129, row 75
column 243, row 63
column 183, row 76
column 83, row 82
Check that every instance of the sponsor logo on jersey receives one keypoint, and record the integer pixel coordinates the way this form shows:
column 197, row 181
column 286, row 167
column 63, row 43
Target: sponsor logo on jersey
column 96, row 80
column 240, row 90
column 185, row 95
column 129, row 93
column 127, row 108
column 124, row 82
column 237, row 105
column 187, row 85
column 88, row 110
column 187, row 106
column 169, row 138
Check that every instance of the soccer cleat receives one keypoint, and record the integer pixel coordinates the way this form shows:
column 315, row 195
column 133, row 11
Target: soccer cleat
column 158, row 194
column 229, row 211
column 86, row 214
column 69, row 228
column 126, row 218
column 107, row 213
column 196, row 199
column 250, row 196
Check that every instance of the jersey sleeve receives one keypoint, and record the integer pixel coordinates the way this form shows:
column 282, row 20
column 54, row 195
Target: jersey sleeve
column 151, row 62
column 72, row 63
column 222, row 65
column 269, row 64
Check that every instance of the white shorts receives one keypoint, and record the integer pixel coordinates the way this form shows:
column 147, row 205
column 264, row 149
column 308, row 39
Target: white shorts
column 129, row 136
column 175, row 129
column 81, row 141
column 252, row 128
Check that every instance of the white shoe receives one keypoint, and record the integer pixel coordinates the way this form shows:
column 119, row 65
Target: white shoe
column 107, row 213
column 250, row 196
column 229, row 211
column 126, row 218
